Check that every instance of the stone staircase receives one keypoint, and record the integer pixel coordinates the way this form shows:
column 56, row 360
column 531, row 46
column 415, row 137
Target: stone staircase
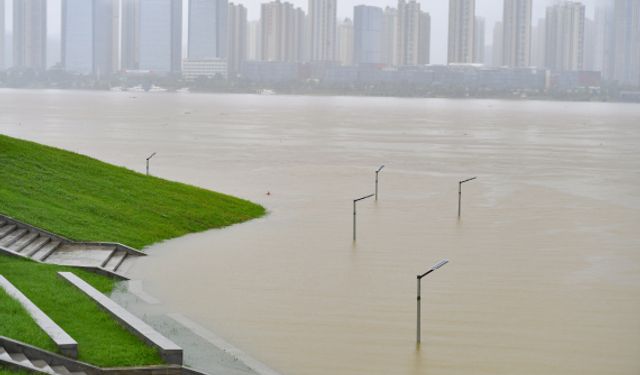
column 18, row 360
column 21, row 239
column 25, row 358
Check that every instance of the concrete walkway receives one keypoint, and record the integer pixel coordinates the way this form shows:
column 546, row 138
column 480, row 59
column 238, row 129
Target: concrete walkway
column 203, row 350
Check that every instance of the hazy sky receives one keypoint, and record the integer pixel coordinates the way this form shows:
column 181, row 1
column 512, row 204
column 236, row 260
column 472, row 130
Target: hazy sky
column 489, row 9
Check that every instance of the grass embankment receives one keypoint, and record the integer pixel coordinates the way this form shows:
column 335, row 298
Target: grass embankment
column 85, row 199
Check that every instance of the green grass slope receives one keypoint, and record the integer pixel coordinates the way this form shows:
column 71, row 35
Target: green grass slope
column 86, row 199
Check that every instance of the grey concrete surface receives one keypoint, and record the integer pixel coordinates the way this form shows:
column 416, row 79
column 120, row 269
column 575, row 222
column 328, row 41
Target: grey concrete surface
column 199, row 353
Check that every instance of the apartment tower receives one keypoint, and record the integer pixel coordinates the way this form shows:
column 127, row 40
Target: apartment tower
column 461, row 31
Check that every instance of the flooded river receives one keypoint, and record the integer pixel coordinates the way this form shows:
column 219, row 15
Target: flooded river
column 544, row 273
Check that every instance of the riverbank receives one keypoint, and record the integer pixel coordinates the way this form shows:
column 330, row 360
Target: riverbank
column 85, row 199
column 629, row 96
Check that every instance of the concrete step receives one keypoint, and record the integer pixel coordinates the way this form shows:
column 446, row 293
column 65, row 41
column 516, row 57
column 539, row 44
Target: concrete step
column 126, row 264
column 12, row 237
column 46, row 250
column 108, row 258
column 21, row 358
column 42, row 366
column 24, row 241
column 3, row 354
column 72, row 254
column 61, row 370
column 36, row 245
column 115, row 260
column 6, row 229
column 2, row 223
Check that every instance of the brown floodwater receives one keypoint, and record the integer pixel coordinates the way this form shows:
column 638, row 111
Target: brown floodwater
column 544, row 273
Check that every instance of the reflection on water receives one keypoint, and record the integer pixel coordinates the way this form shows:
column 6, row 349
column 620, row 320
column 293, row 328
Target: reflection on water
column 545, row 270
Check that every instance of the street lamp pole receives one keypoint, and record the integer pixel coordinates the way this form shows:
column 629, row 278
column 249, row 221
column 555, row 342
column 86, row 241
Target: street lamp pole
column 354, row 213
column 460, row 193
column 149, row 158
column 378, row 172
column 418, row 317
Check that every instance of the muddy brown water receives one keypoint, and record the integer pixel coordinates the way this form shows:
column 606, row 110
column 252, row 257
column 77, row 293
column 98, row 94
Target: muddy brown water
column 544, row 275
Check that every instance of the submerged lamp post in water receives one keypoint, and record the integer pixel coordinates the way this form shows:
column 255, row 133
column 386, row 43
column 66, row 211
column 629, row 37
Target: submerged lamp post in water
column 460, row 193
column 378, row 172
column 354, row 213
column 149, row 158
column 435, row 267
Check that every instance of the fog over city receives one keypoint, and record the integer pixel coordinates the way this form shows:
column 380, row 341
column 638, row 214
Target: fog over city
column 586, row 50
column 489, row 9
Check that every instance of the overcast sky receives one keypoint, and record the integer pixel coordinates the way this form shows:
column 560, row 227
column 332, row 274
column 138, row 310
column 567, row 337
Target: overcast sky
column 491, row 10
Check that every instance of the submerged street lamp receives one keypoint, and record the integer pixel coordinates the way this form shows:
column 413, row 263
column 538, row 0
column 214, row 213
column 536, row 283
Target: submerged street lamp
column 460, row 193
column 354, row 213
column 377, row 172
column 149, row 158
column 435, row 267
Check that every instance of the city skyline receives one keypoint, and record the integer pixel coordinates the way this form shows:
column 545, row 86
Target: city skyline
column 490, row 10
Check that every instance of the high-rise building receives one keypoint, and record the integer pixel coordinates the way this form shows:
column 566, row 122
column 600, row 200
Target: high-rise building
column 390, row 36
column 301, row 39
column 322, row 29
column 516, row 21
column 589, row 56
column 90, row 36
column 367, row 35
column 345, row 42
column 237, row 44
column 564, row 36
column 282, row 32
column 605, row 40
column 160, row 41
column 496, row 47
column 130, row 44
column 106, row 36
column 408, row 32
column 478, row 41
column 253, row 40
column 208, row 27
column 626, row 69
column 2, row 57
column 538, row 41
column 30, row 34
column 461, row 31
column 424, row 39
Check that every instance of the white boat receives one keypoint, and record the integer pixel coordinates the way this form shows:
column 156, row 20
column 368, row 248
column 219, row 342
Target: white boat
column 136, row 89
column 155, row 88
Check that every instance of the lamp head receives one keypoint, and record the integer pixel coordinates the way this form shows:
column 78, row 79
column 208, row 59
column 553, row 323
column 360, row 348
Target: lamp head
column 439, row 264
